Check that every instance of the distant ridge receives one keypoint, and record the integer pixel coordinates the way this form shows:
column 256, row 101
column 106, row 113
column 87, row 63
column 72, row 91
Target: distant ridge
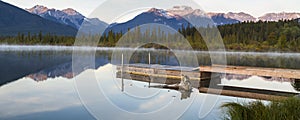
column 279, row 16
column 174, row 18
column 69, row 17
column 14, row 20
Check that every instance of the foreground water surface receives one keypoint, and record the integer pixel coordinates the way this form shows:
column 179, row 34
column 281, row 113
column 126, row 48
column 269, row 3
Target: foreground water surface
column 38, row 82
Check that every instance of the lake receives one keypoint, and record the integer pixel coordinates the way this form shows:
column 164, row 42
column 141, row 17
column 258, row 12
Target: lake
column 42, row 82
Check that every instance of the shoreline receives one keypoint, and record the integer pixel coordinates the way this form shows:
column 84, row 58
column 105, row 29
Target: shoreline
column 7, row 48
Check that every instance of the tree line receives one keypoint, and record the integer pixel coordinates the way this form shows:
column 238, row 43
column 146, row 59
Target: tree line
column 37, row 39
column 283, row 35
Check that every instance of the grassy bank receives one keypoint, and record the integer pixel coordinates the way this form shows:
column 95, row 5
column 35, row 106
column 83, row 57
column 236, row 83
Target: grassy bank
column 287, row 109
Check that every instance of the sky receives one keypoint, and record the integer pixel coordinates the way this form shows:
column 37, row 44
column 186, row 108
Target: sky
column 254, row 7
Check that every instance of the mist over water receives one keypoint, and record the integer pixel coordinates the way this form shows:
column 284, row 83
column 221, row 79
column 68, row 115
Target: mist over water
column 163, row 56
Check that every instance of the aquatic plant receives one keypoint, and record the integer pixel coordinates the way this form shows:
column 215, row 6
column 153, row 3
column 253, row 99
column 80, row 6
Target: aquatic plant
column 285, row 109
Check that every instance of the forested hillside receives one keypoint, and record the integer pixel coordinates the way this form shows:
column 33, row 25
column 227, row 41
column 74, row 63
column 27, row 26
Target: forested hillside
column 246, row 36
column 262, row 36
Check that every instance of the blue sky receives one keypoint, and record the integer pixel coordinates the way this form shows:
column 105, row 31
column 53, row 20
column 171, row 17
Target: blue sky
column 253, row 7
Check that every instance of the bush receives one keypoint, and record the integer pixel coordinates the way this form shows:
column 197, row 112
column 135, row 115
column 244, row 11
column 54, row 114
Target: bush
column 287, row 109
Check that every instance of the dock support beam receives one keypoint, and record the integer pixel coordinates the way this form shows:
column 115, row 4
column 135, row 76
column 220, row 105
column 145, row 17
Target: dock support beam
column 209, row 79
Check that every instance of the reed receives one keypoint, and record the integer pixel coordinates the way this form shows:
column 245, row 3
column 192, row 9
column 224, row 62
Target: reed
column 285, row 109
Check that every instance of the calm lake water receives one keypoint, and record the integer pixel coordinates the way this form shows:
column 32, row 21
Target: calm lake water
column 37, row 82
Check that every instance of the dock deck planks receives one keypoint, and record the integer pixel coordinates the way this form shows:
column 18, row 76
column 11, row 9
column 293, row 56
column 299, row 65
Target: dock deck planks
column 254, row 71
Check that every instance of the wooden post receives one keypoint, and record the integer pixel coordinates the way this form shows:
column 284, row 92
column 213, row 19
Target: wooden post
column 122, row 65
column 149, row 83
column 149, row 58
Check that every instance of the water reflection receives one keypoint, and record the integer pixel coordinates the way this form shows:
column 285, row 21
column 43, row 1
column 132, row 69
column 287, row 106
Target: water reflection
column 185, row 94
column 41, row 64
column 54, row 97
column 256, row 82
column 138, row 101
column 184, row 87
column 18, row 62
column 51, row 99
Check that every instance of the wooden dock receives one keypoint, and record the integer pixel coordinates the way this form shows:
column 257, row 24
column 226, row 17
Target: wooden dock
column 164, row 71
column 208, row 78
column 253, row 71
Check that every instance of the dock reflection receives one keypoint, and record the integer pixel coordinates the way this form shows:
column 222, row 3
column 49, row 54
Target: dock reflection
column 208, row 83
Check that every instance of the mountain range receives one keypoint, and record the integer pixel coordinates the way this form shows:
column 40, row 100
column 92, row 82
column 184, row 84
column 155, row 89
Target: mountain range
column 14, row 20
column 69, row 17
column 173, row 17
column 178, row 17
column 240, row 17
column 279, row 16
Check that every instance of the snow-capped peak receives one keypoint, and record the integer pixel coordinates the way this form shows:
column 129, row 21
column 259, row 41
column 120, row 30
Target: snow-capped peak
column 279, row 16
column 241, row 16
column 71, row 11
column 161, row 12
column 186, row 10
column 38, row 9
column 67, row 16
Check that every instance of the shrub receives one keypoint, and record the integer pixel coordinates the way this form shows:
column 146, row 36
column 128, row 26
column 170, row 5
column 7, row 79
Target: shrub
column 287, row 109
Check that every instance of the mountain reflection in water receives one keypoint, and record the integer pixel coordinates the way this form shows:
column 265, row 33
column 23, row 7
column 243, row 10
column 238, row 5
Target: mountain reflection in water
column 56, row 96
column 21, row 97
